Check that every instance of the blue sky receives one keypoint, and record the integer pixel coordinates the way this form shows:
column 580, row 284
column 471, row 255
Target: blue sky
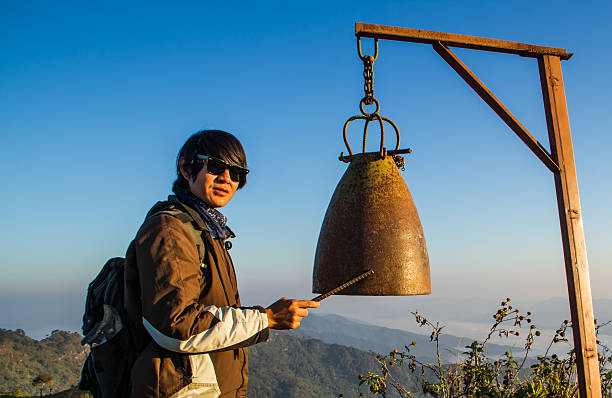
column 96, row 100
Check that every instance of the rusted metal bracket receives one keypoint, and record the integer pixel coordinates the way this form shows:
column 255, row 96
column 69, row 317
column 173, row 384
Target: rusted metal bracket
column 497, row 106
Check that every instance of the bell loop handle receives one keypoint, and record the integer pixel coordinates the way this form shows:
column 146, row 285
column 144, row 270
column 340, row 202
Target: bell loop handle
column 346, row 124
column 382, row 133
column 383, row 151
column 397, row 133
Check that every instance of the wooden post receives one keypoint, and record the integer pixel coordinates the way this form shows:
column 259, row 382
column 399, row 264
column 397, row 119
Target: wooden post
column 570, row 216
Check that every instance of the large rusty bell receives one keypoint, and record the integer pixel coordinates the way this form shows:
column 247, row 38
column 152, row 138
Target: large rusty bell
column 372, row 223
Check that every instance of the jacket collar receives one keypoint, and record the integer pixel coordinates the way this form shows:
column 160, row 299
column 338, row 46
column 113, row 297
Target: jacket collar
column 197, row 218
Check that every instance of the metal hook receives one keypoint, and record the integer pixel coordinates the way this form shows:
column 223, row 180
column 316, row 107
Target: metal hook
column 375, row 49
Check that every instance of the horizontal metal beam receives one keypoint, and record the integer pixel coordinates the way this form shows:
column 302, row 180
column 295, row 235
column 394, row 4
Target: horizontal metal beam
column 497, row 106
column 455, row 40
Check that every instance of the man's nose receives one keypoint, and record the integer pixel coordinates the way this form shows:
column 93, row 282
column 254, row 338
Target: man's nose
column 225, row 175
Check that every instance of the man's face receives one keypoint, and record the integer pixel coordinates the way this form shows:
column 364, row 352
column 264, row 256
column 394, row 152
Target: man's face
column 215, row 190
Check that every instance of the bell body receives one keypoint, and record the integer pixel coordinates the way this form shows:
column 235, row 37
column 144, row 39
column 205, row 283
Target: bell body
column 372, row 223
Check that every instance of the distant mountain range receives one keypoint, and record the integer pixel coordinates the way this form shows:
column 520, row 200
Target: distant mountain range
column 547, row 313
column 335, row 329
column 321, row 358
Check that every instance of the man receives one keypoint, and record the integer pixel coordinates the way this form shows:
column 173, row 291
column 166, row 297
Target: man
column 182, row 298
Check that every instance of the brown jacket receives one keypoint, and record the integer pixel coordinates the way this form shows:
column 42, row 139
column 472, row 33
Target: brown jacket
column 183, row 309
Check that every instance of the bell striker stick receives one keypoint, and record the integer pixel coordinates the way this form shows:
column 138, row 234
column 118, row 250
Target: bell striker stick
column 344, row 286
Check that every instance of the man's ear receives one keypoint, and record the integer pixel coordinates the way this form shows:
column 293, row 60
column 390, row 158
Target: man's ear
column 182, row 168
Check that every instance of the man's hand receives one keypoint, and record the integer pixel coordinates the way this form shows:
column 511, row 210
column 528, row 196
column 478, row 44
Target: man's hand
column 288, row 313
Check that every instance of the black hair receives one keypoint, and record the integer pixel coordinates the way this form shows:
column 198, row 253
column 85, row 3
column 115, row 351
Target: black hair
column 214, row 143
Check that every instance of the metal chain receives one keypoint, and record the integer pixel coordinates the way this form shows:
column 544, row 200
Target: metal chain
column 368, row 75
column 369, row 99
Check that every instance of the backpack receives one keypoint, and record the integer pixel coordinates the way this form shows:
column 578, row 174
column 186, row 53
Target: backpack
column 107, row 368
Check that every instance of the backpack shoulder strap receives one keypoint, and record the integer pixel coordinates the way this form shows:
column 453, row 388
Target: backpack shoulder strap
column 192, row 226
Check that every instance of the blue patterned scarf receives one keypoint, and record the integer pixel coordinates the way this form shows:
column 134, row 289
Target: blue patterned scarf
column 215, row 221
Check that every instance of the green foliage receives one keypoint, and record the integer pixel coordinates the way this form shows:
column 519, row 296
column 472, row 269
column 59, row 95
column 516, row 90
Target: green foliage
column 42, row 381
column 478, row 375
column 15, row 393
column 22, row 359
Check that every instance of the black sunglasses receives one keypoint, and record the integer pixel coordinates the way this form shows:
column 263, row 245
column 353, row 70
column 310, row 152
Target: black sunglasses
column 216, row 166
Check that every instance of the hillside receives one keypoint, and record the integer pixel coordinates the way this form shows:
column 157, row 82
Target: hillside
column 287, row 365
column 23, row 358
column 321, row 358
